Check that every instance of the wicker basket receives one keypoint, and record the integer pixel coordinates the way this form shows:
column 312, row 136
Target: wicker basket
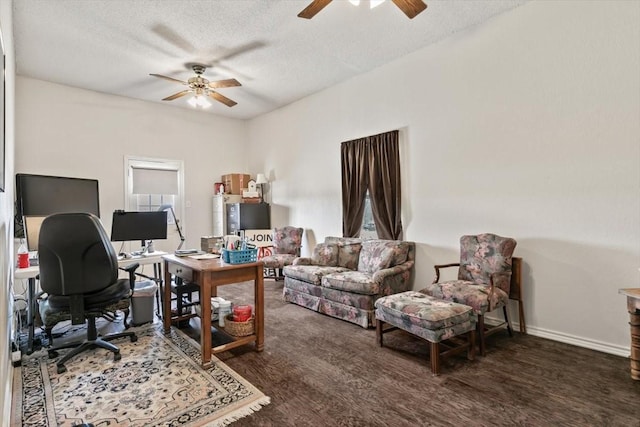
column 238, row 329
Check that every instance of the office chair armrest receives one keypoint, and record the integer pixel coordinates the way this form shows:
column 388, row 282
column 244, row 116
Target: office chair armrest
column 153, row 279
column 131, row 269
column 439, row 266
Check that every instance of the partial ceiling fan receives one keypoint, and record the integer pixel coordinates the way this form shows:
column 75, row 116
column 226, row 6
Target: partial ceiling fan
column 411, row 8
column 201, row 88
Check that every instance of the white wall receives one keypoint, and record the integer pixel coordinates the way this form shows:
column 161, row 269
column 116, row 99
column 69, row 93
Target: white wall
column 6, row 218
column 67, row 131
column 527, row 126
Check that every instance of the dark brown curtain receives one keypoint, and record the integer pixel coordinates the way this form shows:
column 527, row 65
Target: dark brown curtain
column 355, row 176
column 372, row 163
column 384, row 184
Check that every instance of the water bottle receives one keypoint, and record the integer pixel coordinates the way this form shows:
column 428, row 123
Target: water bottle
column 23, row 255
column 223, row 310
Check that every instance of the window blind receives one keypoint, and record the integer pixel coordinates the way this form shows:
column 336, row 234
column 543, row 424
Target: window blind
column 154, row 181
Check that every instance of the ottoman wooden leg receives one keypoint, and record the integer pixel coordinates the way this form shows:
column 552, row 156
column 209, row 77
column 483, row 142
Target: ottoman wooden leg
column 471, row 351
column 480, row 329
column 379, row 331
column 435, row 357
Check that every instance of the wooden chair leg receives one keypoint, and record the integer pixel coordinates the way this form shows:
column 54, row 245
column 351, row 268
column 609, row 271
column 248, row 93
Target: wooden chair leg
column 471, row 351
column 379, row 331
column 506, row 319
column 481, row 336
column 434, row 357
column 523, row 325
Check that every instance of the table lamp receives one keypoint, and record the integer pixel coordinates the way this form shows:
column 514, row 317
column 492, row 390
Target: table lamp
column 261, row 179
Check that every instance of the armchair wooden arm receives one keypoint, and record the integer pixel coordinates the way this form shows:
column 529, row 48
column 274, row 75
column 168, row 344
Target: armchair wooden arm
column 439, row 266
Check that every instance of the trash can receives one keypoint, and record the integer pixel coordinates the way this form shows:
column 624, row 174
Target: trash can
column 142, row 302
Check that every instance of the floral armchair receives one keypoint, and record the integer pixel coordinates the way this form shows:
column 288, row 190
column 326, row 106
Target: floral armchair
column 287, row 242
column 484, row 279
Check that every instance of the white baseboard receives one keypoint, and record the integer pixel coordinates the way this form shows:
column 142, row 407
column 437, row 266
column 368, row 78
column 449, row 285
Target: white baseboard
column 570, row 339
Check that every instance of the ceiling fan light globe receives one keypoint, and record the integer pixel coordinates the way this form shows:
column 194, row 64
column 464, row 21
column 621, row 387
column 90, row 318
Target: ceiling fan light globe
column 203, row 103
column 193, row 102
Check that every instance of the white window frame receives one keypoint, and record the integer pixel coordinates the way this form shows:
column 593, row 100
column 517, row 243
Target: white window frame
column 130, row 202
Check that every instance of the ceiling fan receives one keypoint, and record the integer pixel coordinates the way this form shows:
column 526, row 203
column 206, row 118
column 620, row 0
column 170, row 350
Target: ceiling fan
column 201, row 87
column 411, row 8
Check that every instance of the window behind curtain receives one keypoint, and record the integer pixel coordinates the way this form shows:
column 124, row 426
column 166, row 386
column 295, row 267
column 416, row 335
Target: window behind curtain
column 368, row 230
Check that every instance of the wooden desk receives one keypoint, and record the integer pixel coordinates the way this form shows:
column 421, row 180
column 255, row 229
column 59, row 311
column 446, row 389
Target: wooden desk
column 208, row 275
column 633, row 306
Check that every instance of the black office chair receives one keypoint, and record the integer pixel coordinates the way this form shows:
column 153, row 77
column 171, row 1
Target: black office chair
column 79, row 272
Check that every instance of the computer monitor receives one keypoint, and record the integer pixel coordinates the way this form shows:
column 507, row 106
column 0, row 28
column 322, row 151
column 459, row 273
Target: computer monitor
column 42, row 195
column 143, row 226
column 32, row 226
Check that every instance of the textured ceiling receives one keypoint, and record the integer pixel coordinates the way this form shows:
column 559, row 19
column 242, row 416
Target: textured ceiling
column 112, row 46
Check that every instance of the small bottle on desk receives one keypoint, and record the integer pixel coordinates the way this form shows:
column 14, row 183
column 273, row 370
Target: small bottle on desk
column 23, row 255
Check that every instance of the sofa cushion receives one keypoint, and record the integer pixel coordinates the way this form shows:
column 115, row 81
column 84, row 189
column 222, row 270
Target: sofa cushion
column 380, row 254
column 325, row 254
column 351, row 281
column 310, row 273
column 342, row 240
column 400, row 253
column 277, row 260
column 349, row 255
column 468, row 293
column 374, row 256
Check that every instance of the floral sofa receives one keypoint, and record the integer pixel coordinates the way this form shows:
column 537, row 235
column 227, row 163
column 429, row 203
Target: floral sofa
column 345, row 276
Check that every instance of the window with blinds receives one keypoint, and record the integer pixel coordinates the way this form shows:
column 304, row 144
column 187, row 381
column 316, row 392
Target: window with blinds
column 152, row 183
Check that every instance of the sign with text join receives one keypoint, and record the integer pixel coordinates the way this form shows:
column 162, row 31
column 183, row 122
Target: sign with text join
column 260, row 238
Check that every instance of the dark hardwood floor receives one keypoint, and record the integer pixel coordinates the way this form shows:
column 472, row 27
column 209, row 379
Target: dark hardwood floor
column 321, row 371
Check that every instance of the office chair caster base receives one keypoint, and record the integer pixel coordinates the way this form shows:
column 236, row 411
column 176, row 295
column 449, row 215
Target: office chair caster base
column 117, row 356
column 61, row 369
column 134, row 338
column 52, row 354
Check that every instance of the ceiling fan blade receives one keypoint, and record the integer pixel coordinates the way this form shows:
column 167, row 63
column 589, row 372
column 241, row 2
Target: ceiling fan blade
column 411, row 8
column 176, row 95
column 168, row 78
column 315, row 7
column 224, row 83
column 221, row 98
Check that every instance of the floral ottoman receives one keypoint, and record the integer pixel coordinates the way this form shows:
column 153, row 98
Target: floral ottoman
column 435, row 320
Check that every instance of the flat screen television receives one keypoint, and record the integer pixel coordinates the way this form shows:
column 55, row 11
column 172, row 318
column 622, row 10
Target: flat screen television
column 128, row 226
column 42, row 195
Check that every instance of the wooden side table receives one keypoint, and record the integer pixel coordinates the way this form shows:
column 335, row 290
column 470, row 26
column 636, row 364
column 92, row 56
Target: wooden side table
column 208, row 275
column 633, row 306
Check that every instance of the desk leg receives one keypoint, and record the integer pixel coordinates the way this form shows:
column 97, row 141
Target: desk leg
column 31, row 313
column 635, row 345
column 157, row 274
column 259, row 296
column 205, row 318
column 166, row 320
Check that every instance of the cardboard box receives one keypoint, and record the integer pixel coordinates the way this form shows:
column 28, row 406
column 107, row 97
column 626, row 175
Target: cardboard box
column 211, row 244
column 235, row 182
column 251, row 200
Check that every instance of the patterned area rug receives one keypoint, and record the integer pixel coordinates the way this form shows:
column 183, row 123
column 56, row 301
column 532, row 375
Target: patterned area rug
column 158, row 382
